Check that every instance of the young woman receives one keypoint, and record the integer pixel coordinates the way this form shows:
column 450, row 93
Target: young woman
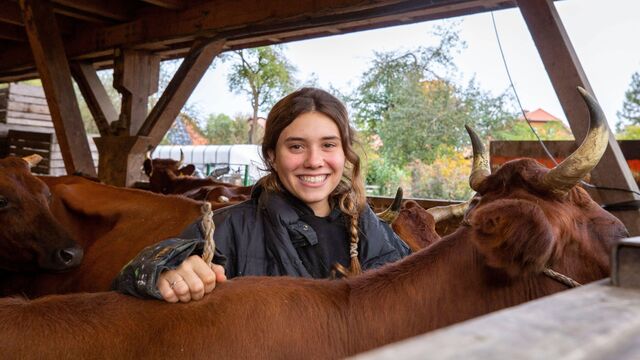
column 308, row 214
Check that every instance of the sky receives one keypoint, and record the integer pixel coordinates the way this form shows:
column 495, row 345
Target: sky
column 603, row 34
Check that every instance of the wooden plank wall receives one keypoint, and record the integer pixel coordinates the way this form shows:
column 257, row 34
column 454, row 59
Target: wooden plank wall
column 24, row 108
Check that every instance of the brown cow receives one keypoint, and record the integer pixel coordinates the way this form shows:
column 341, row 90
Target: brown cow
column 525, row 219
column 168, row 176
column 30, row 237
column 112, row 224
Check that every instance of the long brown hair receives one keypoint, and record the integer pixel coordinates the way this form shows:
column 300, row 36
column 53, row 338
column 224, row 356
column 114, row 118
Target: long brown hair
column 349, row 194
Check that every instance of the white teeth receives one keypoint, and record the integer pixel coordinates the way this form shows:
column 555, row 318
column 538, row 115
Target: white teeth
column 313, row 179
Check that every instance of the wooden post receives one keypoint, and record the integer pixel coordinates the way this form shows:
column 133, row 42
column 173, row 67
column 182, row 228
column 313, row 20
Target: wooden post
column 135, row 76
column 193, row 67
column 51, row 62
column 566, row 73
column 121, row 158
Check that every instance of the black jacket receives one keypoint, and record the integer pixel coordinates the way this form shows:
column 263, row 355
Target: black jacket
column 255, row 237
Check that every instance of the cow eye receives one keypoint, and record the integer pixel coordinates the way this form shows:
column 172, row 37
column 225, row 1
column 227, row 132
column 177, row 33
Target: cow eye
column 3, row 202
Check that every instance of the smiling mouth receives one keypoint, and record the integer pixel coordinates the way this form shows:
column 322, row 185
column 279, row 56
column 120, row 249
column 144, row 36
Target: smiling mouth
column 313, row 179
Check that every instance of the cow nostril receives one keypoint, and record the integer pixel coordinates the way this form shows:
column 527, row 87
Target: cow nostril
column 70, row 256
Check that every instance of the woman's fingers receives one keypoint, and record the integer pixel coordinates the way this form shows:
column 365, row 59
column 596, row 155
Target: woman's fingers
column 190, row 281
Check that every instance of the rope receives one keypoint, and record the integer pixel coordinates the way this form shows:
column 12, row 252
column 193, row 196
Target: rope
column 208, row 227
column 569, row 282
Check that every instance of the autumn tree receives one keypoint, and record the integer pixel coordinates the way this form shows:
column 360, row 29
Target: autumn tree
column 264, row 75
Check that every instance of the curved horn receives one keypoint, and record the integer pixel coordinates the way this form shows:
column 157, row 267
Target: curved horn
column 441, row 213
column 569, row 172
column 181, row 159
column 481, row 168
column 32, row 160
column 391, row 213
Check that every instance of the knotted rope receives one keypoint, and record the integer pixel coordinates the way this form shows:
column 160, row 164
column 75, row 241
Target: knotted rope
column 208, row 227
column 564, row 279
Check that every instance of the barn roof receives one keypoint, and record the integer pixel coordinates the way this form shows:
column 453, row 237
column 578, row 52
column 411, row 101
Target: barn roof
column 93, row 31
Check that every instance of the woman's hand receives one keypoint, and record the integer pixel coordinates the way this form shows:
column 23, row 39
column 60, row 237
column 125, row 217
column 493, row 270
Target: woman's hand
column 190, row 281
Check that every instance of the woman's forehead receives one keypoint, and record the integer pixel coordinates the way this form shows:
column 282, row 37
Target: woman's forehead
column 311, row 126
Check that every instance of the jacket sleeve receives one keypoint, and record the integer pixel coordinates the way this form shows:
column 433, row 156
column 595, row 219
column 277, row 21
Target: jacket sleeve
column 140, row 275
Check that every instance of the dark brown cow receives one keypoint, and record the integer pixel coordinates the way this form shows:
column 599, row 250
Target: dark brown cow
column 111, row 224
column 30, row 237
column 168, row 176
column 524, row 219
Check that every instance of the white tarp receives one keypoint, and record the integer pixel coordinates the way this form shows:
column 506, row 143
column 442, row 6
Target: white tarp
column 208, row 157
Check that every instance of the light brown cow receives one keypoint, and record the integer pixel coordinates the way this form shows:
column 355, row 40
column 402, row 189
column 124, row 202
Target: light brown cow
column 30, row 237
column 525, row 219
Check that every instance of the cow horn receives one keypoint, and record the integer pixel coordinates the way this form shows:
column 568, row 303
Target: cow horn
column 32, row 160
column 441, row 213
column 481, row 168
column 181, row 159
column 391, row 213
column 571, row 170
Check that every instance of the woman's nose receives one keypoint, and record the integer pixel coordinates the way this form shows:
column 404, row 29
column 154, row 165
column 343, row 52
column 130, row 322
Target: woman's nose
column 314, row 159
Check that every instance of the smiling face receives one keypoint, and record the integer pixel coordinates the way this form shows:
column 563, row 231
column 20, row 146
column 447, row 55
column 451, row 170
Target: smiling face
column 309, row 159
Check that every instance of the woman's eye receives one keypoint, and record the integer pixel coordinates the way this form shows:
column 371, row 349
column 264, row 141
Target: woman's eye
column 295, row 147
column 3, row 202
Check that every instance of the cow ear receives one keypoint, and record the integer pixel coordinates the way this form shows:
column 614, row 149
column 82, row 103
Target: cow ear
column 513, row 235
column 188, row 170
column 147, row 167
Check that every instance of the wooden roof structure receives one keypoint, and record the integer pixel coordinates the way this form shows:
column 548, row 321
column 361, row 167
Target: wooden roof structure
column 56, row 40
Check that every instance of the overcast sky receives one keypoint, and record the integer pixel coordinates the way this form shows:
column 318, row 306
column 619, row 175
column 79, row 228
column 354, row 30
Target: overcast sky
column 603, row 33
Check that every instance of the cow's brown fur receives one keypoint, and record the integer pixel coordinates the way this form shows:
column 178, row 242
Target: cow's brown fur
column 515, row 228
column 415, row 226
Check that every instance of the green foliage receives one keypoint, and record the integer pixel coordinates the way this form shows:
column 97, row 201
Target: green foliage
column 630, row 132
column 631, row 105
column 447, row 177
column 518, row 129
column 263, row 74
column 222, row 129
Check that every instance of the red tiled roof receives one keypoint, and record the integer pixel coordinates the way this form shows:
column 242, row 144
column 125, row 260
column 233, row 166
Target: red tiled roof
column 540, row 116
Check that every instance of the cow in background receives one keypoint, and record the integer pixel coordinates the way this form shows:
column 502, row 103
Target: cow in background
column 169, row 176
column 524, row 220
column 30, row 238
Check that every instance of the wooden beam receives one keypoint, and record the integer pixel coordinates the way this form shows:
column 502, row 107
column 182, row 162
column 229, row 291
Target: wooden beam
column 10, row 12
column 167, row 4
column 565, row 72
column 12, row 32
column 231, row 20
column 95, row 95
column 135, row 76
column 52, row 65
column 110, row 9
column 193, row 67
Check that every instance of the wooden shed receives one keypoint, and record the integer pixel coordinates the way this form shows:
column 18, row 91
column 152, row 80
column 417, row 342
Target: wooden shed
column 26, row 128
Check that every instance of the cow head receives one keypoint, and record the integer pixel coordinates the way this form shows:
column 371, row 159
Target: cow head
column 162, row 173
column 30, row 238
column 526, row 218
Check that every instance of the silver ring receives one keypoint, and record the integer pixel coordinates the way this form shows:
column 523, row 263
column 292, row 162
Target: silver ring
column 173, row 283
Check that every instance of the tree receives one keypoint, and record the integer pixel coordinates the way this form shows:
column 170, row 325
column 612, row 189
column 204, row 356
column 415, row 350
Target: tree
column 222, row 129
column 264, row 74
column 403, row 91
column 631, row 105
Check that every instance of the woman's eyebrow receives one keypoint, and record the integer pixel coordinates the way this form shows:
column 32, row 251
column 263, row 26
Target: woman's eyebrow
column 324, row 138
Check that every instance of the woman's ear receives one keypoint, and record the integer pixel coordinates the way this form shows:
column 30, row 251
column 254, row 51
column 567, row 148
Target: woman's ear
column 272, row 159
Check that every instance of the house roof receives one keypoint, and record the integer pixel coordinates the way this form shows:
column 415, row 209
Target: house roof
column 540, row 115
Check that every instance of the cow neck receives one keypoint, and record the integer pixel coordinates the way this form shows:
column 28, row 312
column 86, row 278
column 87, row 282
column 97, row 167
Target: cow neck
column 443, row 284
